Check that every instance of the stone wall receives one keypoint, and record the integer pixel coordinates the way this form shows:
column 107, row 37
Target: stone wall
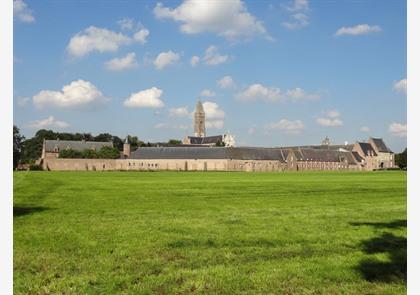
column 59, row 164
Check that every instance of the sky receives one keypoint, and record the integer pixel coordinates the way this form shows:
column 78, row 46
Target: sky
column 272, row 73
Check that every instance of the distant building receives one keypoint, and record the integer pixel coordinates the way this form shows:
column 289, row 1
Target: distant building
column 52, row 148
column 200, row 137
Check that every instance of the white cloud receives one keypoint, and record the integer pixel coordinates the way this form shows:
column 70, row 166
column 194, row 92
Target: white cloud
column 214, row 115
column 141, row 36
column 226, row 82
column 48, row 122
column 257, row 92
column 77, row 94
column 207, row 93
column 229, row 19
column 287, row 126
column 212, row 110
column 401, row 86
column 21, row 12
column 212, row 56
column 126, row 23
column 96, row 39
column 22, row 101
column 214, row 124
column 118, row 64
column 148, row 98
column 398, row 129
column 181, row 112
column 358, row 30
column 329, row 122
column 194, row 60
column 333, row 114
column 332, row 120
column 101, row 40
column 170, row 126
column 298, row 5
column 365, row 129
column 165, row 59
column 298, row 13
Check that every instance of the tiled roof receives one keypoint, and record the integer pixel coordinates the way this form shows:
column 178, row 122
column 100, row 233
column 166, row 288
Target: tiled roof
column 380, row 144
column 239, row 153
column 205, row 140
column 367, row 148
column 357, row 156
column 323, row 155
column 51, row 145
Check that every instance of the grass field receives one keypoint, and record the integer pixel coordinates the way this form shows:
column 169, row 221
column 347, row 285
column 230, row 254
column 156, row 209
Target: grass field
column 209, row 233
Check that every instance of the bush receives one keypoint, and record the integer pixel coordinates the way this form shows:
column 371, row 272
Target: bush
column 108, row 152
column 35, row 167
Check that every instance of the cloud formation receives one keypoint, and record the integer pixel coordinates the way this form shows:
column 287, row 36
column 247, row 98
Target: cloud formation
column 148, row 98
column 401, row 86
column 48, row 122
column 101, row 40
column 363, row 29
column 226, row 82
column 332, row 119
column 258, row 91
column 229, row 19
column 212, row 56
column 398, row 129
column 298, row 13
column 181, row 112
column 207, row 93
column 77, row 94
column 194, row 60
column 119, row 64
column 165, row 59
column 170, row 126
column 286, row 126
column 214, row 115
column 21, row 12
column 365, row 129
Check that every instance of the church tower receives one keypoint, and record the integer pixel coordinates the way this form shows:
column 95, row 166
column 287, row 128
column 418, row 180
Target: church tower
column 126, row 148
column 199, row 120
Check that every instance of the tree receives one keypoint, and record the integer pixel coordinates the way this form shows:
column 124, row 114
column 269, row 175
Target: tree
column 117, row 142
column 220, row 143
column 174, row 141
column 107, row 152
column 17, row 146
column 103, row 137
column 70, row 153
column 401, row 159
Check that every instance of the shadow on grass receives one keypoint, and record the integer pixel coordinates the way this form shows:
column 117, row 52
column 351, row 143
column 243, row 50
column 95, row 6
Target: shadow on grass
column 27, row 210
column 395, row 247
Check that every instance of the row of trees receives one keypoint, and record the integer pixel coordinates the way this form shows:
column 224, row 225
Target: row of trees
column 401, row 159
column 105, row 152
column 29, row 150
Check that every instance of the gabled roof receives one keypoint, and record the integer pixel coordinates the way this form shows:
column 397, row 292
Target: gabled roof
column 323, row 155
column 380, row 145
column 52, row 145
column 367, row 148
column 237, row 153
column 206, row 139
column 357, row 156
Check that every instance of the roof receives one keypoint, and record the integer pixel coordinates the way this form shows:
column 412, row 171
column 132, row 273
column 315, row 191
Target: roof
column 323, row 155
column 366, row 148
column 206, row 139
column 357, row 157
column 380, row 145
column 239, row 153
column 51, row 145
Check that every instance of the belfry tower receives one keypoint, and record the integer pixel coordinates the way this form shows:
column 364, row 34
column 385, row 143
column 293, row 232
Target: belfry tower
column 199, row 120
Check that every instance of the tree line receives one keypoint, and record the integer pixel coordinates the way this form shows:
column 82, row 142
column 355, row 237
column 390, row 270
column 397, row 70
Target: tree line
column 27, row 151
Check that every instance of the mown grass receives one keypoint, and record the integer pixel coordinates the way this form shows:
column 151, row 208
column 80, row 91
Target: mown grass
column 209, row 233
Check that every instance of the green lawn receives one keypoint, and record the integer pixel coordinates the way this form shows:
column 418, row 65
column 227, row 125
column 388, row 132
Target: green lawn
column 209, row 233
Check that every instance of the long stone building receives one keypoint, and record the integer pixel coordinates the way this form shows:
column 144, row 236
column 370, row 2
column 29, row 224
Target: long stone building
column 217, row 153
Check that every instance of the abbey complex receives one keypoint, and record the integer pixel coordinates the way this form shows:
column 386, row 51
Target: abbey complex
column 218, row 153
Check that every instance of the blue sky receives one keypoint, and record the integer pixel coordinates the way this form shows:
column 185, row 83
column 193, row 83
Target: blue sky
column 294, row 71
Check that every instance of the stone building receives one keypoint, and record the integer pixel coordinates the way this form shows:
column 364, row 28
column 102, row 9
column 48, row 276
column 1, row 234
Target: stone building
column 365, row 156
column 200, row 137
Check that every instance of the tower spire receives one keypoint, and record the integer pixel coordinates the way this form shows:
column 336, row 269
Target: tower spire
column 199, row 120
